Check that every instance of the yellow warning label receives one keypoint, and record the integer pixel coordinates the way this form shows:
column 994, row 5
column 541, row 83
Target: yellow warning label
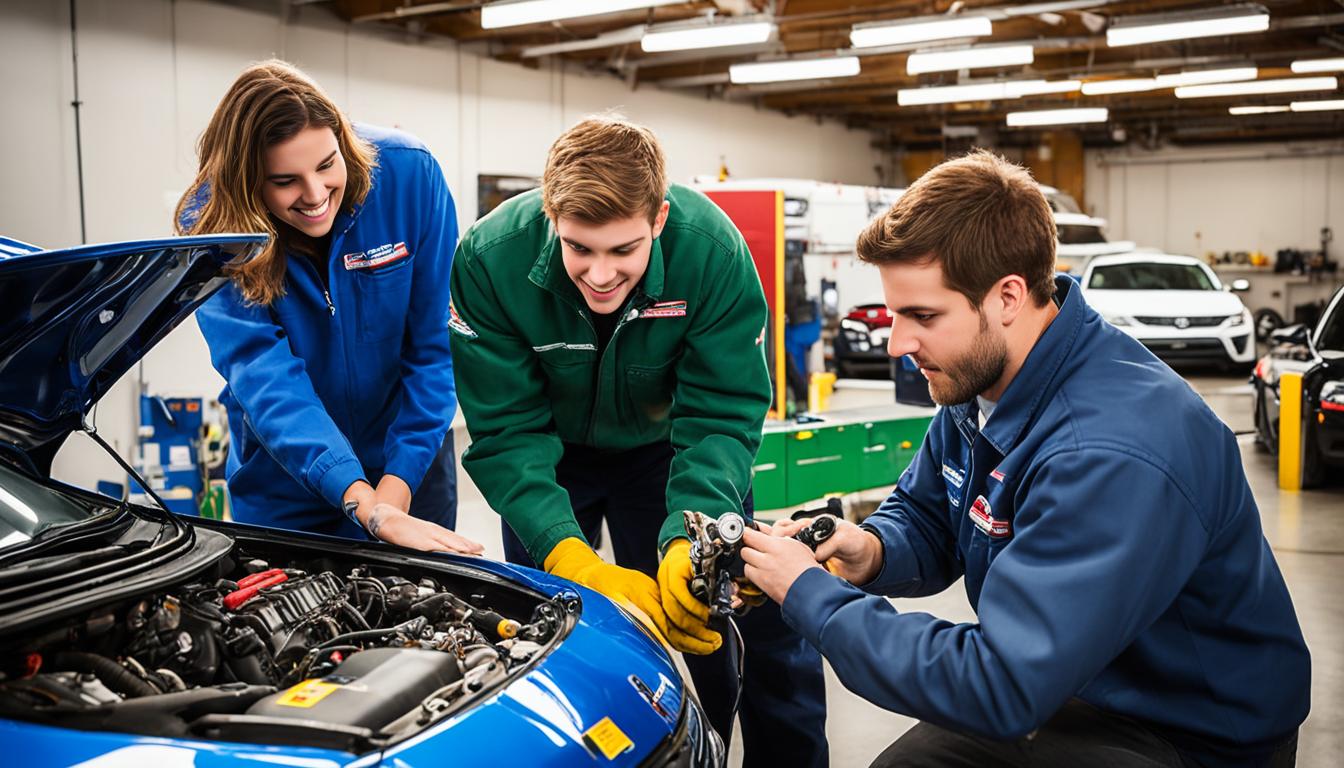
column 307, row 693
column 608, row 739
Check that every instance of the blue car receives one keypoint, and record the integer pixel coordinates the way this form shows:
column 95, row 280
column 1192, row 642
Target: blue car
column 132, row 636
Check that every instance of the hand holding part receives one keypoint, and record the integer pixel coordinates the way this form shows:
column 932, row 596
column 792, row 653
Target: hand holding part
column 774, row 563
column 687, row 616
column 573, row 559
column 848, row 551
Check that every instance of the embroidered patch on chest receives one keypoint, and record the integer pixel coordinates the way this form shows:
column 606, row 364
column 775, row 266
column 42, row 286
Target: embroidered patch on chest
column 996, row 475
column 376, row 257
column 953, row 476
column 983, row 516
column 664, row 309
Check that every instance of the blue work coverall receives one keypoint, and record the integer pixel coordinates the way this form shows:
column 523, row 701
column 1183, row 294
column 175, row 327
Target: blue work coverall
column 330, row 385
column 1112, row 551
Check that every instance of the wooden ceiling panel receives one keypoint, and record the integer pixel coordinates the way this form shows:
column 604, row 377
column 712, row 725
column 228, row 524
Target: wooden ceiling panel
column 1069, row 40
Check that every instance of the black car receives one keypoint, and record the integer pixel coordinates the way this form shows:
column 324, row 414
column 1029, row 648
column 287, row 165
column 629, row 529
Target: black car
column 1319, row 356
column 860, row 346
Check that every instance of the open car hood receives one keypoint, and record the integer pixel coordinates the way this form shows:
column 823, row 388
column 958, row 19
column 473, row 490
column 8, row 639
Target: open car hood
column 79, row 318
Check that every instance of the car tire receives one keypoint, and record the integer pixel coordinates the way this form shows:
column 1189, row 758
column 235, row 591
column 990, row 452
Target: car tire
column 1262, row 444
column 1266, row 321
column 1313, row 466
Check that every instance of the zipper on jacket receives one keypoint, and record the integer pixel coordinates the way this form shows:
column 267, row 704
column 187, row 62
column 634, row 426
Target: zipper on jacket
column 628, row 313
column 330, row 307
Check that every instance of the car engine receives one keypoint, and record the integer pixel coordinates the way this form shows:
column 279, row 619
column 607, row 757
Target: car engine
column 344, row 656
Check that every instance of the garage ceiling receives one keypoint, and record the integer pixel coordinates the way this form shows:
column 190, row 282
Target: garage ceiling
column 1069, row 42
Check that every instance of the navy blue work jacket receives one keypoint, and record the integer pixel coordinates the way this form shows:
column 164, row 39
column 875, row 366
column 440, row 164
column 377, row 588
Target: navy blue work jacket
column 1111, row 549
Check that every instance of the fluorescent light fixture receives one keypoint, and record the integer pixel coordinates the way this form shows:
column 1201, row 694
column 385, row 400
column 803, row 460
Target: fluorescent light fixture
column 513, row 14
column 1012, row 89
column 1018, row 88
column 1057, row 117
column 1317, row 106
column 1210, row 22
column 969, row 58
column 1286, row 85
column 1131, row 85
column 904, row 32
column 1304, row 66
column 793, row 69
column 605, row 40
column 1255, row 110
column 706, row 36
column 1203, row 76
column 950, row 94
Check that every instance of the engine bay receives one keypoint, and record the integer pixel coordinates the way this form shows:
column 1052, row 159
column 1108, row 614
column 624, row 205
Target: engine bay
column 323, row 651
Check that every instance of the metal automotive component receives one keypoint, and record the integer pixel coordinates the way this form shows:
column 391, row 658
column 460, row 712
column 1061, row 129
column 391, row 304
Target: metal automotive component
column 716, row 561
column 820, row 529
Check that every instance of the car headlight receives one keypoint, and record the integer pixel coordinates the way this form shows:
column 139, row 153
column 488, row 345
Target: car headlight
column 1235, row 320
column 1117, row 320
column 855, row 331
column 1332, row 396
column 692, row 745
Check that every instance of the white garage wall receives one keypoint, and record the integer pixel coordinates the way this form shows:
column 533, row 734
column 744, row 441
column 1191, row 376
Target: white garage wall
column 151, row 72
column 1238, row 198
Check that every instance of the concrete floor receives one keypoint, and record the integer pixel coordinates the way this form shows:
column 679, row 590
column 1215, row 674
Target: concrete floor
column 1305, row 529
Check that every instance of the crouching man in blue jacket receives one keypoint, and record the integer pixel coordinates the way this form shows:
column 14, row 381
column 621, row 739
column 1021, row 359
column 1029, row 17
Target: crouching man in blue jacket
column 1130, row 610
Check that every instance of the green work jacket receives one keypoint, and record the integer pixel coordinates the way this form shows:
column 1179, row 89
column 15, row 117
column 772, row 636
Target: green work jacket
column 686, row 364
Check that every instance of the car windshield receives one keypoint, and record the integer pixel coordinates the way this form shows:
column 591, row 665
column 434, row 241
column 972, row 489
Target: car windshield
column 28, row 508
column 1063, row 202
column 1332, row 333
column 1150, row 276
column 1079, row 234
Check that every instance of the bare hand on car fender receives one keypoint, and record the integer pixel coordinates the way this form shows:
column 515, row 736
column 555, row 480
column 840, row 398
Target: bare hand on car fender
column 394, row 526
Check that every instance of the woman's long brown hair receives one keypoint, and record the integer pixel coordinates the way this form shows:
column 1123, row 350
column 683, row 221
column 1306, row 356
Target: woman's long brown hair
column 269, row 103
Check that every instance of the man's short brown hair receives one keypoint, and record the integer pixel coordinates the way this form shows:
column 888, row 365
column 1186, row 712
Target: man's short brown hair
column 602, row 169
column 979, row 215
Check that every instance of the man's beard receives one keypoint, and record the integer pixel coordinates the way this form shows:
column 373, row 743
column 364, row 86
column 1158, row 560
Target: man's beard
column 974, row 372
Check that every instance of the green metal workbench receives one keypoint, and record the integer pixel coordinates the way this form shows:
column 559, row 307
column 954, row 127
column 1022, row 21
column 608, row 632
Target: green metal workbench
column 847, row 451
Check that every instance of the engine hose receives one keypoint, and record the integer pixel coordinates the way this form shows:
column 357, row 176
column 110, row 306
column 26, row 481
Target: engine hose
column 354, row 615
column 109, row 672
column 412, row 627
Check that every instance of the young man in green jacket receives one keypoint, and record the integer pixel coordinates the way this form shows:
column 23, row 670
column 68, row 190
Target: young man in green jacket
column 607, row 336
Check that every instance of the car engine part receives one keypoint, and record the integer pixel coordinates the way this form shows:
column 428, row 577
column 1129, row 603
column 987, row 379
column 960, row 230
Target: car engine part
column 716, row 559
column 302, row 653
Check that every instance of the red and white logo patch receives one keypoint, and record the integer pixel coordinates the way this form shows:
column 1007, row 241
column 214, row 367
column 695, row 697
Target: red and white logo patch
column 376, row 257
column 983, row 516
column 997, row 475
column 665, row 309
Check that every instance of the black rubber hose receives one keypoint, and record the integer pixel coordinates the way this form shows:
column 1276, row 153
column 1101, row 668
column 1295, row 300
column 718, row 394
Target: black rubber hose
column 112, row 674
column 412, row 627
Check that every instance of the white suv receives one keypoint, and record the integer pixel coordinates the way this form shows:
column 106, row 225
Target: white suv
column 1175, row 305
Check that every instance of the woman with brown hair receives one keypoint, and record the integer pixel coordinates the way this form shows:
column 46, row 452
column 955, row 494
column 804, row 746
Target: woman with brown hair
column 332, row 341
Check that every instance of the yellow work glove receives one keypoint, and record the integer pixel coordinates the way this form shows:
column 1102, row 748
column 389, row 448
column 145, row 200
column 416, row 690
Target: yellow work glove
column 574, row 560
column 687, row 617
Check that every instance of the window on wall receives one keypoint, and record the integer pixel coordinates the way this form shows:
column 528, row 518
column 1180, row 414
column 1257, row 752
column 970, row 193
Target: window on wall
column 492, row 190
